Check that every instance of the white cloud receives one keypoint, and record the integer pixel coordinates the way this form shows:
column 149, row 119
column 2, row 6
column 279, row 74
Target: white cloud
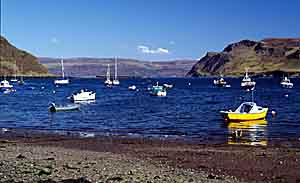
column 54, row 40
column 147, row 50
column 172, row 42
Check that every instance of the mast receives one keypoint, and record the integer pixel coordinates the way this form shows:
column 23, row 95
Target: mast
column 15, row 69
column 108, row 73
column 116, row 69
column 62, row 68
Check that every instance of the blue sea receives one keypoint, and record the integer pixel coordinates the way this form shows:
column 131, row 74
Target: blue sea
column 189, row 111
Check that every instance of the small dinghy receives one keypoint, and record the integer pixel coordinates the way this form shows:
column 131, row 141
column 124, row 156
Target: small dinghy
column 132, row 88
column 57, row 108
column 168, row 85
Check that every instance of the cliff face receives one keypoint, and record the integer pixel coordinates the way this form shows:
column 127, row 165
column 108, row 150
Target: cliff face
column 19, row 61
column 261, row 57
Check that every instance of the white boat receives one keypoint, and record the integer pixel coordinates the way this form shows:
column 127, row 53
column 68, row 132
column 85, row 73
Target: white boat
column 62, row 81
column 247, row 83
column 220, row 82
column 108, row 81
column 158, row 91
column 168, row 85
column 83, row 95
column 116, row 81
column 4, row 84
column 286, row 83
column 132, row 87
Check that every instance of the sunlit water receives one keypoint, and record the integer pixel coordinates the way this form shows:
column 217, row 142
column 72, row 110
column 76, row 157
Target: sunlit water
column 188, row 111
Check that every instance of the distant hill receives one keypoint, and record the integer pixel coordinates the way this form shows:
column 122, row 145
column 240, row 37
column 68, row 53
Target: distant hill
column 265, row 57
column 14, row 60
column 77, row 67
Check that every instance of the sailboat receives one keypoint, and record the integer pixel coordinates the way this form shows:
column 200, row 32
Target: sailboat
column 62, row 81
column 108, row 81
column 116, row 81
column 15, row 76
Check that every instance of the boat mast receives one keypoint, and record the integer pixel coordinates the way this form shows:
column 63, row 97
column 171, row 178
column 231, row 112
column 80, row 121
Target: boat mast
column 108, row 73
column 116, row 69
column 62, row 68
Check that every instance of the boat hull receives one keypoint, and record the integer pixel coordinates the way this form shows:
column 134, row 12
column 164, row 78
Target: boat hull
column 61, row 82
column 54, row 108
column 232, row 116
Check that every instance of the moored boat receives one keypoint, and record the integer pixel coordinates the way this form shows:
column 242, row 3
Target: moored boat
column 286, row 83
column 63, row 80
column 4, row 84
column 158, row 90
column 69, row 107
column 247, row 82
column 108, row 81
column 245, row 112
column 83, row 95
column 132, row 87
column 221, row 83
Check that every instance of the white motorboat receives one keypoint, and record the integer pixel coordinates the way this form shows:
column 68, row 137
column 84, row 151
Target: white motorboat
column 62, row 81
column 5, row 85
column 247, row 83
column 132, row 87
column 220, row 82
column 116, row 81
column 83, row 95
column 108, row 81
column 286, row 83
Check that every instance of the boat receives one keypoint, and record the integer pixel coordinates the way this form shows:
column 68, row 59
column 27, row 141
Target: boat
column 132, row 87
column 4, row 84
column 116, row 81
column 286, row 83
column 245, row 112
column 221, row 83
column 15, row 75
column 108, row 81
column 168, row 85
column 56, row 108
column 62, row 81
column 247, row 83
column 158, row 91
column 83, row 95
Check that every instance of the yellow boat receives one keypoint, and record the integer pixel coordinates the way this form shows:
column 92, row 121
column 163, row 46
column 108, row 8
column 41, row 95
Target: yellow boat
column 245, row 112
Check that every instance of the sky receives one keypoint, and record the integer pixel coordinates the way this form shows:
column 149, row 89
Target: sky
column 143, row 29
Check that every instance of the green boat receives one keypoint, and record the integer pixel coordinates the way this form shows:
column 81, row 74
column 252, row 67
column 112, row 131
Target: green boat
column 158, row 91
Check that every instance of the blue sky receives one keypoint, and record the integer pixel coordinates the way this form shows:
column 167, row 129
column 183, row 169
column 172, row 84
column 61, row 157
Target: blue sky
column 143, row 29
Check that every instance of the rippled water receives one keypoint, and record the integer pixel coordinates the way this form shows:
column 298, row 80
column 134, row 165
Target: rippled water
column 188, row 111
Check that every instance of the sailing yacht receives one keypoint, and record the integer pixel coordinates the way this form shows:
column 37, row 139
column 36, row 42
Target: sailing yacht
column 62, row 81
column 116, row 81
column 108, row 81
column 15, row 72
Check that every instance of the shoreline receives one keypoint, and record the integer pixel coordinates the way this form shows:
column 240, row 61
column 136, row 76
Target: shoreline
column 222, row 162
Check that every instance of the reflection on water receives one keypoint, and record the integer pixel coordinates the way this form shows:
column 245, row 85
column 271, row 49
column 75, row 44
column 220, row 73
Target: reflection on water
column 248, row 132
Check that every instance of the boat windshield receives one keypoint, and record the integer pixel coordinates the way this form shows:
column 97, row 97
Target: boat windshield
column 246, row 108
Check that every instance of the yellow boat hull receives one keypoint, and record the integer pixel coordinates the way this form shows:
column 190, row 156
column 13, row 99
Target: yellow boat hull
column 231, row 116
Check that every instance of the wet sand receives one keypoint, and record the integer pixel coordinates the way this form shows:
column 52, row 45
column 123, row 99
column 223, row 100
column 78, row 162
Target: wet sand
column 125, row 159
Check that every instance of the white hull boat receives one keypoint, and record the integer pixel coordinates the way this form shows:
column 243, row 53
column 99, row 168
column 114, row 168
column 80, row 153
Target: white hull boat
column 286, row 83
column 84, row 95
column 62, row 81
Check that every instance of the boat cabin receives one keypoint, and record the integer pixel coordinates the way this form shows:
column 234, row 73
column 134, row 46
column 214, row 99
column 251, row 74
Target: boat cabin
column 248, row 108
